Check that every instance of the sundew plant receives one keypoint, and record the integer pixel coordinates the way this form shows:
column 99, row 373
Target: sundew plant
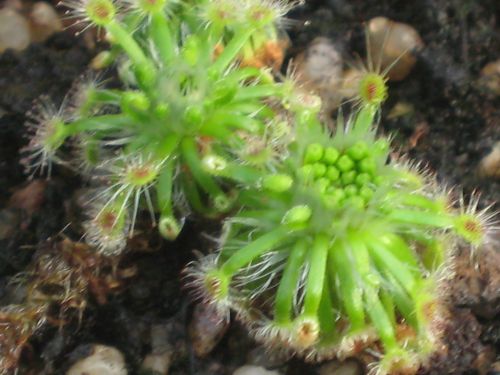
column 193, row 88
column 337, row 250
column 331, row 244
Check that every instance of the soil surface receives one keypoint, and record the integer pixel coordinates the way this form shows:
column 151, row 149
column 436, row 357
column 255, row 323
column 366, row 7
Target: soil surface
column 462, row 122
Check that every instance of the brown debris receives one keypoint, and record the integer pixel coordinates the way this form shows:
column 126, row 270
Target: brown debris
column 58, row 284
column 271, row 55
column 420, row 131
column 476, row 280
column 461, row 348
column 29, row 198
column 206, row 329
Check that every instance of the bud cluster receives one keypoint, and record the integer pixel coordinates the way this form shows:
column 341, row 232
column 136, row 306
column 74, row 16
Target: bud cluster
column 347, row 177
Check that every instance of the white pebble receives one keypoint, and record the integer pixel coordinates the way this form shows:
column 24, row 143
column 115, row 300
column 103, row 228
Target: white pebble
column 490, row 164
column 102, row 360
column 393, row 43
column 157, row 363
column 254, row 370
column 348, row 367
column 319, row 69
column 14, row 30
column 44, row 21
column 490, row 76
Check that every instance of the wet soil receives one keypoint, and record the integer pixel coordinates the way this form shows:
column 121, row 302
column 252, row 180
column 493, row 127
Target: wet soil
column 463, row 122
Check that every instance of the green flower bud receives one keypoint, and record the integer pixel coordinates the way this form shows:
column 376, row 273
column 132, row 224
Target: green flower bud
column 355, row 201
column 351, row 190
column 338, row 192
column 358, row 150
column 348, row 177
column 319, row 170
column 297, row 215
column 366, row 193
column 193, row 115
column 277, row 183
column 368, row 165
column 334, row 197
column 332, row 173
column 331, row 155
column 314, row 153
column 345, row 163
column 363, row 179
column 322, row 184
column 133, row 101
column 162, row 110
column 191, row 50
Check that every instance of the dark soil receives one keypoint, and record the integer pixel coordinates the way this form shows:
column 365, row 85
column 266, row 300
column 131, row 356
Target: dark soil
column 463, row 119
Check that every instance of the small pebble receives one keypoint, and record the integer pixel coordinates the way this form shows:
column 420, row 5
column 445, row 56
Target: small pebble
column 254, row 370
column 322, row 63
column 157, row 363
column 489, row 166
column 44, row 21
column 14, row 30
column 348, row 367
column 495, row 369
column 262, row 356
column 206, row 329
column 319, row 69
column 102, row 360
column 490, row 76
column 160, row 337
column 390, row 41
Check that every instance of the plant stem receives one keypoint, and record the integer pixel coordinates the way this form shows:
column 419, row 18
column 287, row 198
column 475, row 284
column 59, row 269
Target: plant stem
column 316, row 275
column 231, row 50
column 287, row 288
column 414, row 217
column 254, row 249
column 162, row 37
column 351, row 294
column 192, row 159
column 98, row 123
column 164, row 188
